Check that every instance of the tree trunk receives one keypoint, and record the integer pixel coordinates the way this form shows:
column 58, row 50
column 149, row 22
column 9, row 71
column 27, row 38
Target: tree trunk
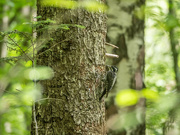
column 126, row 30
column 171, row 126
column 70, row 102
column 3, row 26
column 174, row 46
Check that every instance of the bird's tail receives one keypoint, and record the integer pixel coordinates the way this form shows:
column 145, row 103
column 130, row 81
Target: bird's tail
column 104, row 92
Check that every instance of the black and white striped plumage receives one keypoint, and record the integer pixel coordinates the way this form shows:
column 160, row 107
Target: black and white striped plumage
column 110, row 80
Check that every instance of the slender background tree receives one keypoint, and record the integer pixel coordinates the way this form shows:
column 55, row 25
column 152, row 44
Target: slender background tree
column 126, row 30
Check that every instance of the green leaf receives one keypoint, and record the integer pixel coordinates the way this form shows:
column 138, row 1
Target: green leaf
column 93, row 6
column 31, row 93
column 88, row 5
column 64, row 26
column 150, row 94
column 39, row 73
column 80, row 26
column 25, row 23
column 60, row 3
column 127, row 97
column 37, row 17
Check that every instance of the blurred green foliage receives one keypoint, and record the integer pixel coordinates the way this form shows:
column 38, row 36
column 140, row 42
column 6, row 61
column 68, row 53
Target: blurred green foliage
column 159, row 73
column 131, row 97
column 19, row 91
column 160, row 93
column 127, row 97
column 90, row 5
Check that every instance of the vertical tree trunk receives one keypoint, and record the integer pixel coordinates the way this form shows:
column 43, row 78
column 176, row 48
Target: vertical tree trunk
column 171, row 125
column 1, row 11
column 70, row 103
column 126, row 30
column 3, row 51
column 174, row 45
column 3, row 26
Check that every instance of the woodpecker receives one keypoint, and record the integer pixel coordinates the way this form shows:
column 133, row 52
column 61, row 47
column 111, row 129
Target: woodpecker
column 110, row 80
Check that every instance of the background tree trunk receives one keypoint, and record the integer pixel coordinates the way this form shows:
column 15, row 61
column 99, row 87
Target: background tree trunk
column 126, row 30
column 70, row 102
column 172, row 124
column 4, row 21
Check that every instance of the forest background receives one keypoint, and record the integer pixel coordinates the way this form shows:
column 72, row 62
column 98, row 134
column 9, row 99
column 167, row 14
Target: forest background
column 19, row 92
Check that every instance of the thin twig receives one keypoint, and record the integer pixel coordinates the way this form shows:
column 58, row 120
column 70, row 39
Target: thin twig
column 42, row 99
column 34, row 113
column 10, row 58
column 19, row 47
column 112, row 55
column 19, row 90
column 111, row 45
column 53, row 46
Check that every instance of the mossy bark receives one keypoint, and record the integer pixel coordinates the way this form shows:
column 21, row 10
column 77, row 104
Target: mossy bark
column 77, row 57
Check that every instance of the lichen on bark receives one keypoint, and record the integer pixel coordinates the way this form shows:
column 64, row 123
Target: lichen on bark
column 71, row 103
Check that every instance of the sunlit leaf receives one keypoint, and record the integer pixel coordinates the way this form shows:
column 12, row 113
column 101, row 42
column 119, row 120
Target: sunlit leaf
column 60, row 3
column 127, row 97
column 39, row 73
column 31, row 94
column 28, row 63
column 80, row 26
column 27, row 23
column 37, row 17
column 150, row 94
column 88, row 5
column 63, row 26
column 93, row 6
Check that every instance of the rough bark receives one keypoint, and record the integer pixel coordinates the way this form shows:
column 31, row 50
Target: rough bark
column 70, row 103
column 126, row 30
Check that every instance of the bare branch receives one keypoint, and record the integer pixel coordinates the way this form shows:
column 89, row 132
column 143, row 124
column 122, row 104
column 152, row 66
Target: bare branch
column 111, row 45
column 112, row 55
column 53, row 46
